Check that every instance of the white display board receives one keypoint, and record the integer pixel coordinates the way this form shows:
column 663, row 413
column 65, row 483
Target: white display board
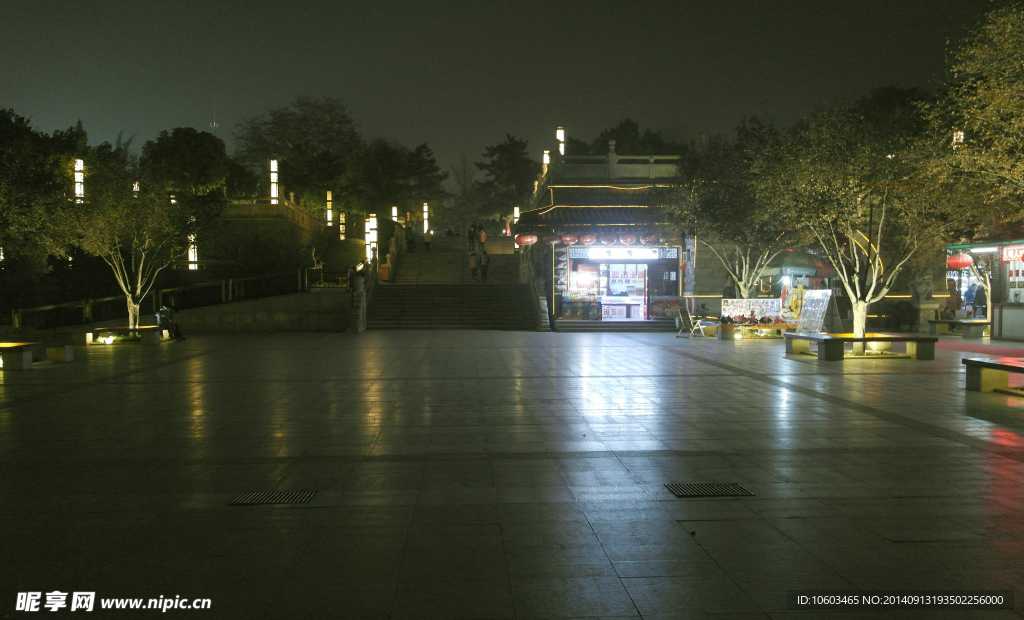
column 812, row 312
column 765, row 307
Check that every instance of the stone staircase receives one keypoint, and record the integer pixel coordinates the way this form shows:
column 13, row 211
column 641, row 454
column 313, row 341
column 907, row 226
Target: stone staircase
column 434, row 290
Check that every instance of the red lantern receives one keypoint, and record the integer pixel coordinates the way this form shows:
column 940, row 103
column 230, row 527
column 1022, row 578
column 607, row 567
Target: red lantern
column 552, row 240
column 628, row 239
column 569, row 238
column 608, row 239
column 649, row 239
column 959, row 261
column 588, row 239
column 526, row 239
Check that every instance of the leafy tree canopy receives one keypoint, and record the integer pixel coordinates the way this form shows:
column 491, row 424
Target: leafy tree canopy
column 186, row 160
column 314, row 139
column 986, row 102
column 385, row 174
column 510, row 174
column 629, row 140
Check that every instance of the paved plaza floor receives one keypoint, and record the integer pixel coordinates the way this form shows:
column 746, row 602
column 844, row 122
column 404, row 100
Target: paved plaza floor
column 503, row 475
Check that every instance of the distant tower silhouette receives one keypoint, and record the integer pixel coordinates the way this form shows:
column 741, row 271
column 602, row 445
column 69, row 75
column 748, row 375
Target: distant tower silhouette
column 214, row 124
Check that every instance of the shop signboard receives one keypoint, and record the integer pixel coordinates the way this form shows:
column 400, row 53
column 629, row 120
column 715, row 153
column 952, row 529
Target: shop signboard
column 812, row 311
column 1011, row 252
column 771, row 308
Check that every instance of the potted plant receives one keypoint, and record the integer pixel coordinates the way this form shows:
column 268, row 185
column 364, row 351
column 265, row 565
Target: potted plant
column 726, row 329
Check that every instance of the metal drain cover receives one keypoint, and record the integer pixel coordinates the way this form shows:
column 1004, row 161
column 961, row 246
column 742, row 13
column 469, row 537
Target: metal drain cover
column 280, row 497
column 689, row 489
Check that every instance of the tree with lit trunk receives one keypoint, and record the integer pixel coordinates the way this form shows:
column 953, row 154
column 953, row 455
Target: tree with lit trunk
column 131, row 218
column 716, row 202
column 855, row 181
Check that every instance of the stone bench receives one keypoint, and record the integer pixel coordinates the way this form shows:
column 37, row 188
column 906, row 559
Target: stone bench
column 148, row 334
column 985, row 374
column 971, row 328
column 831, row 347
column 19, row 355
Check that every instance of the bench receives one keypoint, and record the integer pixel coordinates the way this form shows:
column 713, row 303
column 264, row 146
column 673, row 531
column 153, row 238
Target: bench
column 971, row 328
column 985, row 374
column 148, row 334
column 19, row 355
column 831, row 346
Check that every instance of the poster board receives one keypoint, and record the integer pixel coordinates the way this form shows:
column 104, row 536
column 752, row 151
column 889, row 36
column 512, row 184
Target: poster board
column 666, row 307
column 763, row 307
column 812, row 313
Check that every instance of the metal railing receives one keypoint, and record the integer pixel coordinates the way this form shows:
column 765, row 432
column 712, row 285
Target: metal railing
column 183, row 297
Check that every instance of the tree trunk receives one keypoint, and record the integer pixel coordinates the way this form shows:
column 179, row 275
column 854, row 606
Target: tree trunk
column 860, row 319
column 133, row 312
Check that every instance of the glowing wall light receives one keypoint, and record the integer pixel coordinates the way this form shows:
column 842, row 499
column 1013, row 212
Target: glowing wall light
column 330, row 208
column 426, row 217
column 79, row 181
column 560, row 136
column 273, row 182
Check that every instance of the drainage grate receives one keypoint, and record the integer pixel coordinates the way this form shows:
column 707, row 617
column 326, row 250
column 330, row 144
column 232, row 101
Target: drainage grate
column 688, row 489
column 281, row 497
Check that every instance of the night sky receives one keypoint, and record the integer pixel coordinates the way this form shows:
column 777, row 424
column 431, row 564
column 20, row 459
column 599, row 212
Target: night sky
column 459, row 75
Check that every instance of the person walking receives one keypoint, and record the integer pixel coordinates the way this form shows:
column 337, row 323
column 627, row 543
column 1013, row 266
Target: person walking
column 427, row 236
column 485, row 264
column 481, row 236
column 471, row 237
column 980, row 303
column 969, row 298
column 410, row 243
column 473, row 265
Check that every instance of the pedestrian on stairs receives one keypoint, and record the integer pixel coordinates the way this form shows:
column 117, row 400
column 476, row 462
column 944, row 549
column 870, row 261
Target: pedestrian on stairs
column 471, row 237
column 410, row 243
column 473, row 265
column 427, row 236
column 485, row 263
column 481, row 236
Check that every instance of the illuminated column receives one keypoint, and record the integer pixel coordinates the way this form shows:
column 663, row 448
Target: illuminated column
column 560, row 136
column 371, row 236
column 341, row 224
column 79, row 181
column 330, row 208
column 273, row 181
column 426, row 217
column 394, row 214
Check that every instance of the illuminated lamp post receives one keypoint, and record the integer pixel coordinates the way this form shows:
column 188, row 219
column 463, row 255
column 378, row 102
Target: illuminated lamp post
column 341, row 225
column 560, row 136
column 426, row 217
column 273, row 182
column 79, row 181
column 394, row 214
column 371, row 236
column 330, row 208
column 547, row 162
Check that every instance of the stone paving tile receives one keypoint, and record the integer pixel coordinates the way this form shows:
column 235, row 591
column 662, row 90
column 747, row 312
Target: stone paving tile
column 506, row 475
